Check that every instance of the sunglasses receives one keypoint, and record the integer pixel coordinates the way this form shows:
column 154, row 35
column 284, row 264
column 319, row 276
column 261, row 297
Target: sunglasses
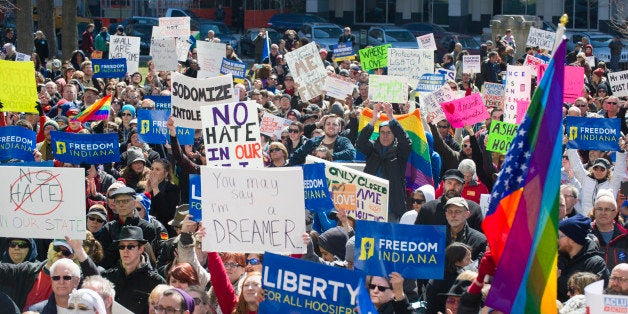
column 380, row 288
column 253, row 261
column 612, row 102
column 275, row 149
column 127, row 114
column 293, row 131
column 418, row 201
column 21, row 245
column 63, row 251
column 65, row 278
column 98, row 220
column 129, row 247
column 442, row 126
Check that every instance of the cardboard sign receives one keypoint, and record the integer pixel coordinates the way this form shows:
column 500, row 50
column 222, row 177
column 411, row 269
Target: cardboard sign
column 127, row 47
column 540, row 38
column 17, row 142
column 210, row 57
column 467, row 110
column 42, row 203
column 22, row 57
column 430, row 103
column 518, row 86
column 386, row 88
column 316, row 191
column 296, row 286
column 183, row 49
column 500, row 136
column 410, row 63
column 232, row 136
column 522, row 109
column 253, row 210
column 109, row 68
column 343, row 51
column 92, row 149
column 471, row 64
column 21, row 94
column 427, row 42
column 598, row 302
column 189, row 94
column 593, row 133
column 414, row 251
column 235, row 68
column 195, row 199
column 574, row 81
column 430, row 82
column 374, row 57
column 362, row 195
column 272, row 125
column 337, row 87
column 175, row 26
column 493, row 94
column 619, row 83
column 164, row 53
column 533, row 62
column 308, row 70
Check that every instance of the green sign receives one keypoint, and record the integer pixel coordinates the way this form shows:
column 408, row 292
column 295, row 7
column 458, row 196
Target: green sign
column 374, row 57
column 500, row 135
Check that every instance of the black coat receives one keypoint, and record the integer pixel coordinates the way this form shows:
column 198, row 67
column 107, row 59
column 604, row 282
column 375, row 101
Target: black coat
column 589, row 259
column 132, row 291
column 471, row 237
column 395, row 307
column 433, row 213
column 111, row 231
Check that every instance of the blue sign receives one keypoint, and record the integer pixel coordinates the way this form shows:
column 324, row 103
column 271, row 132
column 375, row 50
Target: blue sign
column 17, row 142
column 343, row 51
column 430, row 82
column 237, row 69
column 296, row 286
column 195, row 197
column 109, row 68
column 151, row 126
column 414, row 251
column 317, row 197
column 161, row 102
column 88, row 148
column 593, row 133
column 47, row 163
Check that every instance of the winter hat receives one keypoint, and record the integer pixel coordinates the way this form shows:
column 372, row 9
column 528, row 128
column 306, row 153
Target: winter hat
column 295, row 113
column 607, row 193
column 129, row 108
column 334, row 241
column 599, row 72
column 576, row 228
column 53, row 123
column 337, row 109
column 143, row 199
column 189, row 301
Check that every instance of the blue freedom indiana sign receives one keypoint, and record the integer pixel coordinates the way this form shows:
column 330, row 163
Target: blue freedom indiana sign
column 151, row 125
column 237, row 69
column 17, row 142
column 195, row 197
column 414, row 251
column 297, row 286
column 88, row 148
column 593, row 133
column 161, row 102
column 109, row 68
column 317, row 197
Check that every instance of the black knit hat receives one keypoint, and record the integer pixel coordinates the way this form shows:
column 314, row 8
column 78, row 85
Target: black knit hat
column 576, row 228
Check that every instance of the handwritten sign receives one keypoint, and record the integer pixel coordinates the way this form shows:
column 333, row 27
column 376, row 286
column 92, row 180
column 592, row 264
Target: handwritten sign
column 471, row 64
column 91, row 149
column 386, row 88
column 22, row 57
column 374, row 57
column 518, row 86
column 183, row 49
column 307, row 67
column 272, row 125
column 593, row 133
column 189, row 94
column 430, row 103
column 235, row 68
column 467, row 110
column 109, row 68
column 427, row 42
column 337, row 87
column 253, row 210
column 175, row 26
column 493, row 94
column 540, row 38
column 619, row 83
column 210, row 58
column 343, row 51
column 17, row 142
column 533, row 62
column 410, row 63
column 598, row 302
column 164, row 53
column 500, row 136
column 21, row 94
column 127, row 47
column 41, row 202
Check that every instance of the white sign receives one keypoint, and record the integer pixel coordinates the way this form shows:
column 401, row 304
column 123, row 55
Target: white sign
column 189, row 94
column 600, row 303
column 272, row 125
column 183, row 49
column 410, row 63
column 231, row 134
column 210, row 58
column 619, row 83
column 540, row 38
column 532, row 63
column 22, row 57
column 427, row 41
column 471, row 64
column 164, row 53
column 338, row 88
column 307, row 67
column 127, row 47
column 430, row 103
column 591, row 61
column 253, row 210
column 386, row 88
column 518, row 85
column 42, row 202
column 175, row 26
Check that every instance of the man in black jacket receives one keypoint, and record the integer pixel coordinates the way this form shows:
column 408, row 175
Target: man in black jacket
column 458, row 230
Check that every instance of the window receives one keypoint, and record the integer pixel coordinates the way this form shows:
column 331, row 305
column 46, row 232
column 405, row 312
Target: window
column 375, row 11
column 525, row 7
column 582, row 14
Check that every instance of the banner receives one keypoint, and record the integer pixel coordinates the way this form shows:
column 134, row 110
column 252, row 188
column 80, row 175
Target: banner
column 195, row 199
column 175, row 26
column 410, row 63
column 427, row 42
column 235, row 68
column 619, row 83
column 430, row 82
column 308, row 70
column 127, row 47
column 374, row 57
column 414, row 251
column 42, row 203
column 600, row 303
column 253, row 210
column 93, row 149
column 109, row 68
column 362, row 195
column 343, row 51
column 540, row 38
column 209, row 58
column 164, row 53
column 338, row 87
column 189, row 94
column 593, row 133
column 231, row 135
column 316, row 191
column 161, row 102
column 21, row 94
column 493, row 94
column 386, row 88
column 295, row 286
column 151, row 126
column 500, row 136
column 518, row 86
column 471, row 64
column 467, row 110
column 273, row 125
column 17, row 142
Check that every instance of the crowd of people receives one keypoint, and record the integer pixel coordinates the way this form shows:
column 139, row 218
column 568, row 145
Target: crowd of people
column 142, row 251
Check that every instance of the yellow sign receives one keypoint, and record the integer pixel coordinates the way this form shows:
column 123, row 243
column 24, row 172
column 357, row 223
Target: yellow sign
column 19, row 92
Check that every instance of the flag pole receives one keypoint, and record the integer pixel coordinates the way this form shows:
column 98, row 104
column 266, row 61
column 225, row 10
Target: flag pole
column 560, row 32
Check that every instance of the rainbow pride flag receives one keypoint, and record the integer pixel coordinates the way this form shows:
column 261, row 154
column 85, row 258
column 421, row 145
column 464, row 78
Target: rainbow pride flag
column 98, row 111
column 419, row 168
column 521, row 224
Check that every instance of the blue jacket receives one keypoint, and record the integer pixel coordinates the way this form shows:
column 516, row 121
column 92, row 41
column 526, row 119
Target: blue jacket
column 343, row 150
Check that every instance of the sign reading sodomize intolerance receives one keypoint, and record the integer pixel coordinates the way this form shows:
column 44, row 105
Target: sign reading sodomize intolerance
column 387, row 88
column 307, row 67
column 20, row 94
column 127, row 47
column 189, row 94
column 500, row 136
column 17, row 142
column 93, row 149
column 374, row 57
column 593, row 133
column 467, row 110
column 253, row 210
column 42, row 203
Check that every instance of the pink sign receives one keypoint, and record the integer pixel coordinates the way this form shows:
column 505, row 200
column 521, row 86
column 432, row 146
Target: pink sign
column 467, row 110
column 522, row 108
column 574, row 81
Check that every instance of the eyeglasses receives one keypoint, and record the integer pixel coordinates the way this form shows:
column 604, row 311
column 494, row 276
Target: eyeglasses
column 129, row 247
column 442, row 126
column 455, row 212
column 418, row 201
column 617, row 278
column 565, row 157
column 605, row 210
column 232, row 265
column 121, row 201
column 98, row 220
column 65, row 278
column 63, row 251
column 274, row 149
column 253, row 261
column 293, row 131
column 21, row 245
column 167, row 310
column 127, row 114
column 380, row 288
column 612, row 102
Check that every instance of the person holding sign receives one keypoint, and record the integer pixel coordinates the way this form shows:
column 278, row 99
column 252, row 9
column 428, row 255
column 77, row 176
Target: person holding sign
column 387, row 294
column 387, row 156
column 341, row 147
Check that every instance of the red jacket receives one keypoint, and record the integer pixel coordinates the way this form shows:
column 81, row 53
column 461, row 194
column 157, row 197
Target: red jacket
column 471, row 191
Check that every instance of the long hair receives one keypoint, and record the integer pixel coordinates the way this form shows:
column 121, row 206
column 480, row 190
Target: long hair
column 241, row 306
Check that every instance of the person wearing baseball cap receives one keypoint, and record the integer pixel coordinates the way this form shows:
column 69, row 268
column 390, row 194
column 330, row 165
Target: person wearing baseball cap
column 611, row 235
column 458, row 230
column 96, row 219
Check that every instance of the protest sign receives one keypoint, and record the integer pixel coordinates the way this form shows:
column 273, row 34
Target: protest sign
column 17, row 142
column 22, row 57
column 235, row 68
column 593, row 133
column 430, row 82
column 362, row 195
column 533, row 62
column 232, row 136
column 21, row 94
column 410, row 63
column 574, row 82
column 47, row 163
column 471, row 64
column 343, row 51
column 210, row 58
column 540, row 38
column 161, row 102
column 619, row 83
column 591, row 61
column 600, row 303
column 466, row 110
column 109, row 68
column 272, row 124
column 522, row 109
column 493, row 94
column 96, row 54
column 183, row 49
column 427, row 42
column 309, row 72
column 430, row 103
column 296, row 286
column 42, row 203
column 338, row 87
column 449, row 74
column 127, row 47
column 518, row 86
column 151, row 126
column 164, row 53
column 195, row 199
column 92, row 149
column 189, row 94
column 387, row 88
column 500, row 136
column 414, row 251
column 374, row 57
column 316, row 191
column 253, row 210
column 485, row 200
column 175, row 26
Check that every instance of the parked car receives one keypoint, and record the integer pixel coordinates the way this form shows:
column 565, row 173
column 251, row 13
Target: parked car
column 284, row 21
column 420, row 29
column 247, row 48
column 324, row 34
column 396, row 36
column 220, row 30
column 600, row 42
column 469, row 44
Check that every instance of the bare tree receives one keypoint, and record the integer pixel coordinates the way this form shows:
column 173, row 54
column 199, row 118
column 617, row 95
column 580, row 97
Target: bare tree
column 24, row 25
column 617, row 19
column 46, row 24
column 6, row 5
column 69, row 32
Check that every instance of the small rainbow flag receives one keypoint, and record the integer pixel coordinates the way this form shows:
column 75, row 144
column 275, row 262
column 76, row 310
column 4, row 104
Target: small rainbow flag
column 419, row 168
column 98, row 111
